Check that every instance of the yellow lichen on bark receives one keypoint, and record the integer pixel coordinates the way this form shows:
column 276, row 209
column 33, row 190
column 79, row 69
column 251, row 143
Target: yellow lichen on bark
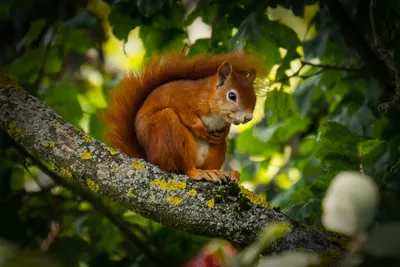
column 7, row 82
column 92, row 185
column 112, row 151
column 86, row 155
column 254, row 198
column 211, row 203
column 15, row 132
column 192, row 193
column 175, row 200
column 168, row 185
column 138, row 165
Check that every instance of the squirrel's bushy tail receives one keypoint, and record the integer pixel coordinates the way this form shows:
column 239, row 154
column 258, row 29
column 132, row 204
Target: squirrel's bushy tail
column 130, row 94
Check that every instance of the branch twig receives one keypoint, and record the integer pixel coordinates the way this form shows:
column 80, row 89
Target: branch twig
column 323, row 66
column 311, row 75
column 388, row 59
column 52, row 235
column 330, row 67
column 44, row 59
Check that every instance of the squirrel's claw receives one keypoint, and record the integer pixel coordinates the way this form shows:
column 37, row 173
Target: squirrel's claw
column 214, row 176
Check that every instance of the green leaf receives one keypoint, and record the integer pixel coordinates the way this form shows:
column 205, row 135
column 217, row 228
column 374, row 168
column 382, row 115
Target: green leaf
column 250, row 30
column 53, row 62
column 28, row 65
column 96, row 127
column 350, row 203
column 200, row 46
column 306, row 211
column 220, row 41
column 172, row 17
column 368, row 146
column 77, row 39
column 264, row 134
column 248, row 143
column 279, row 106
column 359, row 122
column 302, row 194
column 17, row 179
column 337, row 147
column 384, row 241
column 374, row 91
column 292, row 125
column 316, row 47
column 206, row 9
column 155, row 39
column 149, row 7
column 282, row 35
column 123, row 18
column 307, row 145
column 267, row 49
column 303, row 94
column 63, row 99
column 321, row 184
column 35, row 28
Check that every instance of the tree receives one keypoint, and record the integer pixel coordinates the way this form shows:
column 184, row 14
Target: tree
column 331, row 105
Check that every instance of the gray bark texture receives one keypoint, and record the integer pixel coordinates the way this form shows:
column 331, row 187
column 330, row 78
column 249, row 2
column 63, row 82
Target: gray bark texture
column 220, row 211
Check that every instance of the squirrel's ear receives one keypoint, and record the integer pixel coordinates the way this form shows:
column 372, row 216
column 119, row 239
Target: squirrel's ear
column 223, row 72
column 252, row 75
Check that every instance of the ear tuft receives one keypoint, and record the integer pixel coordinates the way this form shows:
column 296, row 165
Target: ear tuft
column 224, row 71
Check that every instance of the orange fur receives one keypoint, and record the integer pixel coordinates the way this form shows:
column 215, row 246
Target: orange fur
column 166, row 111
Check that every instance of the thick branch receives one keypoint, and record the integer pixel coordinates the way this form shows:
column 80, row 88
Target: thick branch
column 220, row 211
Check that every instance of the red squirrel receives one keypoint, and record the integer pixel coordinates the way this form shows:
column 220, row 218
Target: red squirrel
column 176, row 111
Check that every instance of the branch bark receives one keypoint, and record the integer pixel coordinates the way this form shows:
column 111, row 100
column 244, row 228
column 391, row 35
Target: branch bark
column 201, row 208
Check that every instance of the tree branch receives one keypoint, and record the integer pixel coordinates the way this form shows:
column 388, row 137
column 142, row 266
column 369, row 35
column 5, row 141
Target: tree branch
column 323, row 66
column 353, row 37
column 202, row 208
column 330, row 67
column 44, row 59
column 388, row 59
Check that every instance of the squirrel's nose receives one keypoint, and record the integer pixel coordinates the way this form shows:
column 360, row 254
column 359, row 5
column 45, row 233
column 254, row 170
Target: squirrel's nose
column 248, row 118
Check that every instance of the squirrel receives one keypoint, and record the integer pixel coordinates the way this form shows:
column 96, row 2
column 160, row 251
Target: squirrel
column 176, row 111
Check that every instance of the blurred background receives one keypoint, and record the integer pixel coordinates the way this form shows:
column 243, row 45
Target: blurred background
column 317, row 117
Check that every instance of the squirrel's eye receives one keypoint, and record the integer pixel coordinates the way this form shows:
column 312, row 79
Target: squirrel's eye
column 232, row 96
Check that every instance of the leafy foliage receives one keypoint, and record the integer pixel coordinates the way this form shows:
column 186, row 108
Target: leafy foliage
column 317, row 119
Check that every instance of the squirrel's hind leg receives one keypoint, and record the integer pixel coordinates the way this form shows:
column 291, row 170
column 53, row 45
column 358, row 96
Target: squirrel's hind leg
column 166, row 141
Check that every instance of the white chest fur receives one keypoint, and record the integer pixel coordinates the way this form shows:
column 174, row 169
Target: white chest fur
column 202, row 152
column 212, row 122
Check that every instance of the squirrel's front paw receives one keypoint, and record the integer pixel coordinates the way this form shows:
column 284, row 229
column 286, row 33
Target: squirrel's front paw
column 216, row 176
column 215, row 137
